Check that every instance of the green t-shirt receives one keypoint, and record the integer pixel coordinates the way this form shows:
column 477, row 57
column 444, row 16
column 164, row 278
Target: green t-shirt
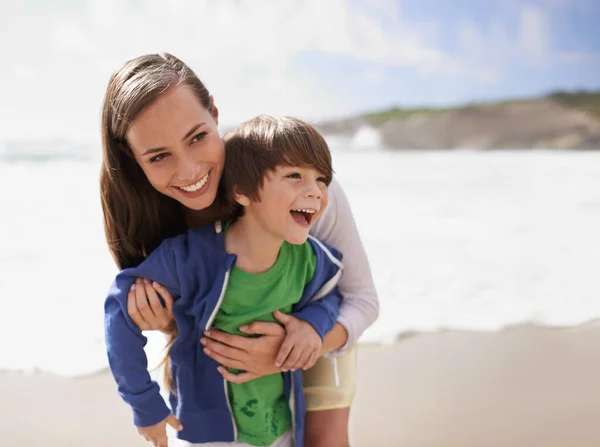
column 259, row 406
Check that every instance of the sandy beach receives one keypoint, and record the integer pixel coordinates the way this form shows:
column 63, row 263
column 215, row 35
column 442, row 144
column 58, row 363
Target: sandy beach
column 525, row 386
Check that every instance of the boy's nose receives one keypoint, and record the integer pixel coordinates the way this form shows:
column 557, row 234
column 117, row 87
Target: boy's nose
column 313, row 190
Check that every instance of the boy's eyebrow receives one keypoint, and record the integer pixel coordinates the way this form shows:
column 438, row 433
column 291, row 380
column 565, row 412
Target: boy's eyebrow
column 187, row 135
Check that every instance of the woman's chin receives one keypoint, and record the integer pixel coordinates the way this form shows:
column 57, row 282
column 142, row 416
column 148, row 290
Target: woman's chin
column 197, row 204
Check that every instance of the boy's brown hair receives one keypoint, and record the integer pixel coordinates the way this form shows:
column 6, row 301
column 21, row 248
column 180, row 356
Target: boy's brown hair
column 263, row 143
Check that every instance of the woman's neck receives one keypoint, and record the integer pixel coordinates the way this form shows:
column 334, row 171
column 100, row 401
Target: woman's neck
column 199, row 218
column 256, row 249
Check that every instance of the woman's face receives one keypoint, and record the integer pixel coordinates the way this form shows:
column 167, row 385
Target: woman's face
column 176, row 142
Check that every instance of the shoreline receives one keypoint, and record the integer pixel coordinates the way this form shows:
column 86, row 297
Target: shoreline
column 399, row 338
column 522, row 386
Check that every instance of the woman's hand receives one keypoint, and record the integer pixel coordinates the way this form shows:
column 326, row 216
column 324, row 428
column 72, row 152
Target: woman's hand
column 144, row 306
column 253, row 355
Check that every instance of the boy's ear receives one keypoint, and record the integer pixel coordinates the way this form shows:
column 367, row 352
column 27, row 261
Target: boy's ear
column 240, row 198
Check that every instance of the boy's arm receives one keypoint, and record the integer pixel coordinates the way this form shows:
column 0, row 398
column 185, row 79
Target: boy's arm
column 125, row 342
column 323, row 313
column 128, row 363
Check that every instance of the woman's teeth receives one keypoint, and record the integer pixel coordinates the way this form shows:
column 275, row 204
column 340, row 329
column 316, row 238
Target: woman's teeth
column 196, row 186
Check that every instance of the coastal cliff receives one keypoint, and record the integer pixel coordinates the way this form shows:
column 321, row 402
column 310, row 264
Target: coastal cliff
column 557, row 121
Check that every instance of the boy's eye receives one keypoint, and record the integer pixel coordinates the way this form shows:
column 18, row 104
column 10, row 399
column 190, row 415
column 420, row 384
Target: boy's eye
column 158, row 157
column 322, row 180
column 198, row 137
column 293, row 175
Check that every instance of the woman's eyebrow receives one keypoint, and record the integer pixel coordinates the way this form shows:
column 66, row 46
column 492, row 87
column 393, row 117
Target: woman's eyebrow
column 187, row 135
column 192, row 130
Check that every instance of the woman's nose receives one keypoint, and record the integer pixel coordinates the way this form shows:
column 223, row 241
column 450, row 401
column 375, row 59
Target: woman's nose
column 187, row 169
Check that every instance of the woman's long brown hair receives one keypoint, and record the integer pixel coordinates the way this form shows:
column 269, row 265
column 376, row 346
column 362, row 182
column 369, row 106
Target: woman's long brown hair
column 136, row 216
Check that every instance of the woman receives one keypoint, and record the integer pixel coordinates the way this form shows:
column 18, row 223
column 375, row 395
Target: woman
column 165, row 152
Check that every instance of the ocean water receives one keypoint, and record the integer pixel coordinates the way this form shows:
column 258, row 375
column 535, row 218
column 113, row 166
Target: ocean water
column 456, row 239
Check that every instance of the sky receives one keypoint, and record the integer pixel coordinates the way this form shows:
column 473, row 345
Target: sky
column 316, row 59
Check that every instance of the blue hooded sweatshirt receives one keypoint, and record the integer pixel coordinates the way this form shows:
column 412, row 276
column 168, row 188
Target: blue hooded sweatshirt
column 195, row 268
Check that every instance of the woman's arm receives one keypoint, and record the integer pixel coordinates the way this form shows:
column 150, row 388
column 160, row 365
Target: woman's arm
column 360, row 306
column 334, row 339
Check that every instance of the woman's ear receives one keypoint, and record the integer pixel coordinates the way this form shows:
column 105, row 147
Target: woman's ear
column 214, row 112
column 240, row 198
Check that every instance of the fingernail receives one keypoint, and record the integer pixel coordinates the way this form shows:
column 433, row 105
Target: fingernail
column 133, row 286
column 207, row 333
column 146, row 280
column 206, row 351
column 244, row 327
column 203, row 341
column 277, row 364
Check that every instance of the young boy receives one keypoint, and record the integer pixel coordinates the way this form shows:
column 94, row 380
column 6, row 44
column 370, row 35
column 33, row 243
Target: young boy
column 275, row 179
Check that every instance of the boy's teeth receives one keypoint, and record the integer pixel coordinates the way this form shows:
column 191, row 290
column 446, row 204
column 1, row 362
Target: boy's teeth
column 196, row 186
column 305, row 211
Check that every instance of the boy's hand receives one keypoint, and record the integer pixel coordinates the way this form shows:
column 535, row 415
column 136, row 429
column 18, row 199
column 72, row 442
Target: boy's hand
column 157, row 433
column 301, row 346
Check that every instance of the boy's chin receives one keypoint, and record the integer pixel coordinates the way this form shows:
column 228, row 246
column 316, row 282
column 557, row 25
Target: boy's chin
column 297, row 239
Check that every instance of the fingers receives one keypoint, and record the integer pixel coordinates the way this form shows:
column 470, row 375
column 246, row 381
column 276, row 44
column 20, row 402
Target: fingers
column 282, row 318
column 262, row 328
column 157, row 436
column 174, row 422
column 236, row 378
column 133, row 311
column 224, row 350
column 284, row 351
column 314, row 356
column 166, row 296
column 158, row 310
column 234, row 341
column 292, row 359
column 302, row 360
column 229, row 363
column 141, row 301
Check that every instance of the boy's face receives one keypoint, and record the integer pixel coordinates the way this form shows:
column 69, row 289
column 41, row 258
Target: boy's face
column 292, row 198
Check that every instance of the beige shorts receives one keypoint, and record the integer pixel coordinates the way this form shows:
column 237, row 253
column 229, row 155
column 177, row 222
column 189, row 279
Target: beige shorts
column 331, row 383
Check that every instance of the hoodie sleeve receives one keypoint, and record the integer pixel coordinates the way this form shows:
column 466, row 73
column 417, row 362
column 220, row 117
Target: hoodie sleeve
column 125, row 342
column 323, row 313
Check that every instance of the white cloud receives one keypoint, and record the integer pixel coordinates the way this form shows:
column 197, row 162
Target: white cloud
column 534, row 36
column 243, row 49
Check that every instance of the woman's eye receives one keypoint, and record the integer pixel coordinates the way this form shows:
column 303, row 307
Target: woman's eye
column 293, row 175
column 198, row 137
column 158, row 157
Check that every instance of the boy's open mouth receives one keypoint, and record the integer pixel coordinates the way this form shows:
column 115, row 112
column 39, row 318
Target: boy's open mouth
column 303, row 216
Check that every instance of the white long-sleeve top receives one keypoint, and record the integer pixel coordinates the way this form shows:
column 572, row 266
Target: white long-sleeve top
column 336, row 227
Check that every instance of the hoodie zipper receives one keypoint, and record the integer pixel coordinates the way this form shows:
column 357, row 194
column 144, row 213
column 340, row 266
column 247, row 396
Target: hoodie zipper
column 292, row 404
column 209, row 323
column 333, row 281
